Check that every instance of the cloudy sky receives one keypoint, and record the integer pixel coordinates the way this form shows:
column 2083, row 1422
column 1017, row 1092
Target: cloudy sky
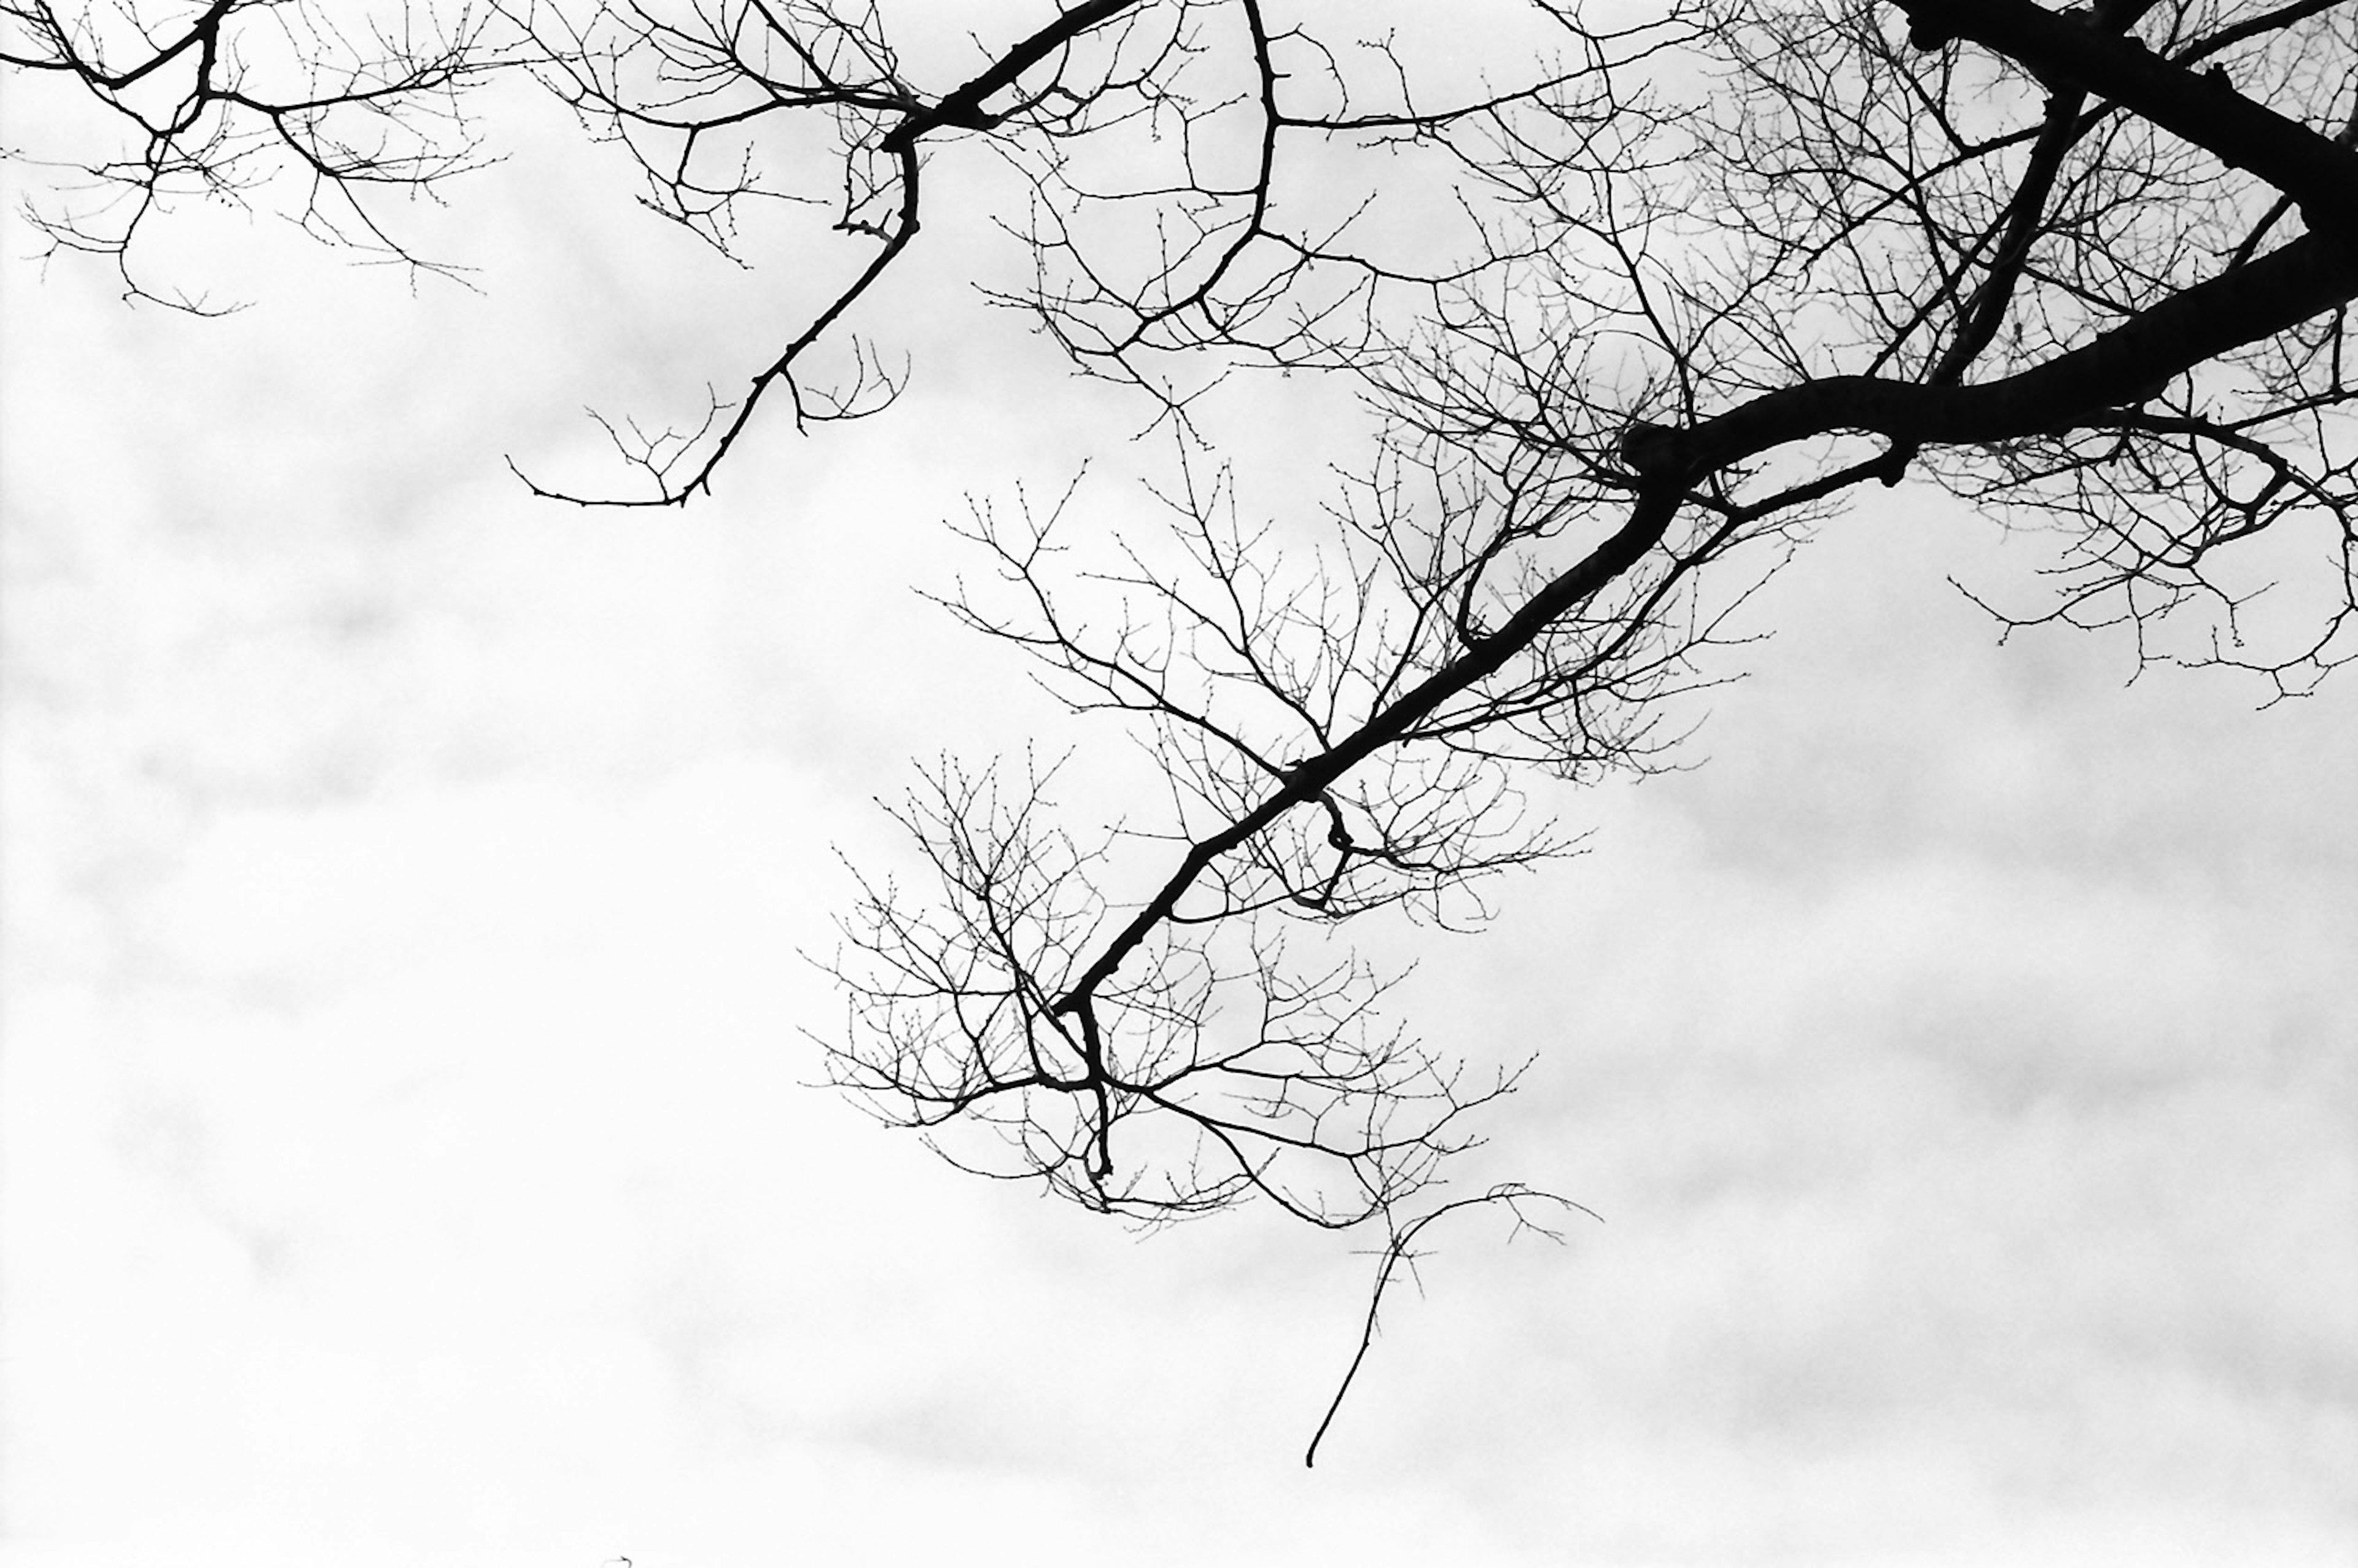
column 406, row 1150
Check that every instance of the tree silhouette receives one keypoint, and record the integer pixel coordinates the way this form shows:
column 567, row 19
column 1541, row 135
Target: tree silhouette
column 1630, row 315
column 215, row 100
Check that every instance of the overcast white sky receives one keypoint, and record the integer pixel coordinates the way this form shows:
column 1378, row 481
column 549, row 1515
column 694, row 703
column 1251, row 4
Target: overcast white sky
column 406, row 1148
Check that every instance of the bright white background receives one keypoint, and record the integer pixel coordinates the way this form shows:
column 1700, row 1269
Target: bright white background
column 406, row 1148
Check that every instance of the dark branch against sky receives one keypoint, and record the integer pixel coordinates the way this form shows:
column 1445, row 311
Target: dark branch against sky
column 1710, row 272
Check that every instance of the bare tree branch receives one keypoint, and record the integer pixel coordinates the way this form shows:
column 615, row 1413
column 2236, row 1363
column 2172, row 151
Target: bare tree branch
column 1627, row 319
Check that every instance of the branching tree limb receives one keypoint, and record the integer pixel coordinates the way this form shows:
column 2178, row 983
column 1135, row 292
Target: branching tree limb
column 1627, row 322
column 217, row 100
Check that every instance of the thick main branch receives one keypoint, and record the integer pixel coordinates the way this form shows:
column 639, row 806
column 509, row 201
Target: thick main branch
column 2065, row 51
column 2303, row 279
column 963, row 107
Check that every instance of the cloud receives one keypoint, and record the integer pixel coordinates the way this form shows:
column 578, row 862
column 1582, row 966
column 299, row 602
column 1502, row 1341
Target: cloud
column 406, row 1148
